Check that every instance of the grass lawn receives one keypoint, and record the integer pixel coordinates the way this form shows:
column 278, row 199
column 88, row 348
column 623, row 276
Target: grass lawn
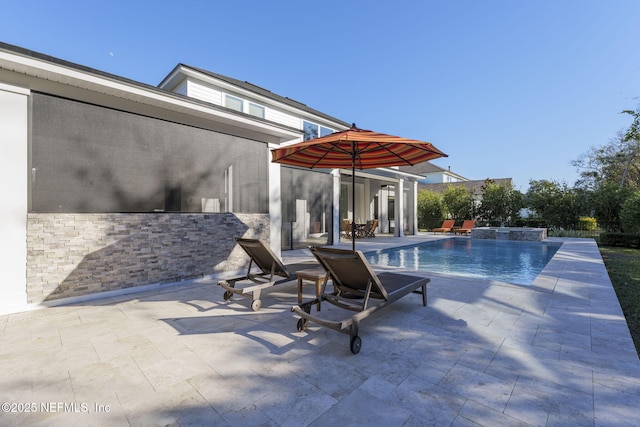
column 623, row 266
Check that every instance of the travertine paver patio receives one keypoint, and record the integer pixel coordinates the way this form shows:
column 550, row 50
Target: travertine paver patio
column 481, row 353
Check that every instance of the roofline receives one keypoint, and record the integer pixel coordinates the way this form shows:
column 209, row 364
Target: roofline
column 250, row 89
column 48, row 68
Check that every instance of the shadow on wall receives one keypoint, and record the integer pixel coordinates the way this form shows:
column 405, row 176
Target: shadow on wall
column 72, row 255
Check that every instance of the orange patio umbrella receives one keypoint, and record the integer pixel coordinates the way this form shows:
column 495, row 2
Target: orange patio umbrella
column 356, row 148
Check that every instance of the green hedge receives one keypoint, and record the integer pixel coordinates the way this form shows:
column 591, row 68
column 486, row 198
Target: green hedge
column 626, row 240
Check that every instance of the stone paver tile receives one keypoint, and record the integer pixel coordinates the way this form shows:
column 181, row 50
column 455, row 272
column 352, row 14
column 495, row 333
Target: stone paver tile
column 198, row 325
column 615, row 406
column 166, row 373
column 378, row 387
column 475, row 414
column 629, row 384
column 515, row 357
column 363, row 409
column 120, row 376
column 428, row 373
column 483, row 388
column 533, row 398
column 177, row 405
column 429, row 404
column 234, row 394
column 248, row 416
column 337, row 378
column 476, row 357
column 392, row 367
column 109, row 345
column 295, row 402
column 599, row 361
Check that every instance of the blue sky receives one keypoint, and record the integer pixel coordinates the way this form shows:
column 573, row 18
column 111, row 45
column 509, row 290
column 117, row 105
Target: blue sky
column 507, row 88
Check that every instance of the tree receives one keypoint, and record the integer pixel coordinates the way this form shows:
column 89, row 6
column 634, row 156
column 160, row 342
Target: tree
column 614, row 163
column 630, row 213
column 632, row 138
column 501, row 204
column 459, row 202
column 605, row 203
column 617, row 162
column 430, row 209
column 558, row 204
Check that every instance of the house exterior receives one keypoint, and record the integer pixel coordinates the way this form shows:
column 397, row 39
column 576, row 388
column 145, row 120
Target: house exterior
column 433, row 174
column 437, row 179
column 116, row 186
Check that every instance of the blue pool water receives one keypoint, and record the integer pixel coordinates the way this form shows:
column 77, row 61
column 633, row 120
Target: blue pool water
column 504, row 260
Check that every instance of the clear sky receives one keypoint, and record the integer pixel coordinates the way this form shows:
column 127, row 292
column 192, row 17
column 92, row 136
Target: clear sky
column 507, row 88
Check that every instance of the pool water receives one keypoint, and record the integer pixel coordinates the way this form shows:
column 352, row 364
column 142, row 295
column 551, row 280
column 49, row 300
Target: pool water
column 504, row 260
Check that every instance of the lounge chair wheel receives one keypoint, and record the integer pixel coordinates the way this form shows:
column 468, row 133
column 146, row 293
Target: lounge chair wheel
column 228, row 295
column 302, row 325
column 356, row 344
column 256, row 304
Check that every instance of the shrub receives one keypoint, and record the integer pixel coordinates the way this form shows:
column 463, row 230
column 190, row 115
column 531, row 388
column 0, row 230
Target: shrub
column 587, row 223
column 430, row 209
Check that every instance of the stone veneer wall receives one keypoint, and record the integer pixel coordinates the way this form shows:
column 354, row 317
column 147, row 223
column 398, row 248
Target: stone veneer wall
column 509, row 233
column 71, row 255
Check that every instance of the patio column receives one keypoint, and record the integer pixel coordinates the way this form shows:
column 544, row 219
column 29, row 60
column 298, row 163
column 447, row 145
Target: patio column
column 275, row 208
column 336, row 223
column 415, row 208
column 14, row 169
column 399, row 207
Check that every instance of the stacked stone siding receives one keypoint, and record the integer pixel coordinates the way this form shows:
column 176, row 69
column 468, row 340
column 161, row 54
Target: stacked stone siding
column 509, row 233
column 71, row 255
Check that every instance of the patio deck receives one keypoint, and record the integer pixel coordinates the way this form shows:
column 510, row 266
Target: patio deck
column 481, row 353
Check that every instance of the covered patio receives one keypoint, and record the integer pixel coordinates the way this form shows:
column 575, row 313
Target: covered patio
column 486, row 353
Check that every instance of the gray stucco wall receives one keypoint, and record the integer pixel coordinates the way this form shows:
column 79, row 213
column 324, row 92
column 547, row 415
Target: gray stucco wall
column 71, row 255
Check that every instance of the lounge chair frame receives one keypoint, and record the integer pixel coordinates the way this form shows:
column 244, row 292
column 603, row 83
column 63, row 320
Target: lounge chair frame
column 466, row 227
column 446, row 227
column 272, row 272
column 357, row 288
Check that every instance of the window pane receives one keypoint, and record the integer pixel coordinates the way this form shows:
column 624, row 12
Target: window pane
column 256, row 110
column 325, row 131
column 233, row 102
column 310, row 130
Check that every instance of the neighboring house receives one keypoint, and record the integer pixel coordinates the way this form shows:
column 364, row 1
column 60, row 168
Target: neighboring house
column 433, row 174
column 113, row 185
column 437, row 179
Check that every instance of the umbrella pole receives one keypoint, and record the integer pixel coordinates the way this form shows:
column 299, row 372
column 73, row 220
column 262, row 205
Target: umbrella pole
column 353, row 200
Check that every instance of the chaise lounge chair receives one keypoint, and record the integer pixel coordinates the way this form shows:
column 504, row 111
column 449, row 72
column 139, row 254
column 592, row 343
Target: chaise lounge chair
column 446, row 227
column 357, row 288
column 467, row 225
column 272, row 272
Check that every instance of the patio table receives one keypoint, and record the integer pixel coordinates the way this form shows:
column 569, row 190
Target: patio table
column 315, row 275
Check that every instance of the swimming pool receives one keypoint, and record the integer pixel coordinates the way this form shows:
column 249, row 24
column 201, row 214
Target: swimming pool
column 504, row 260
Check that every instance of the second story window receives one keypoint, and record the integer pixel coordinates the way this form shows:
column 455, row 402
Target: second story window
column 233, row 102
column 313, row 130
column 239, row 104
column 256, row 110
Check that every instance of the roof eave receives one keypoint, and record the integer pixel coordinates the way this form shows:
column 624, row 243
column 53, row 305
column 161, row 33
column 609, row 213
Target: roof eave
column 65, row 73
